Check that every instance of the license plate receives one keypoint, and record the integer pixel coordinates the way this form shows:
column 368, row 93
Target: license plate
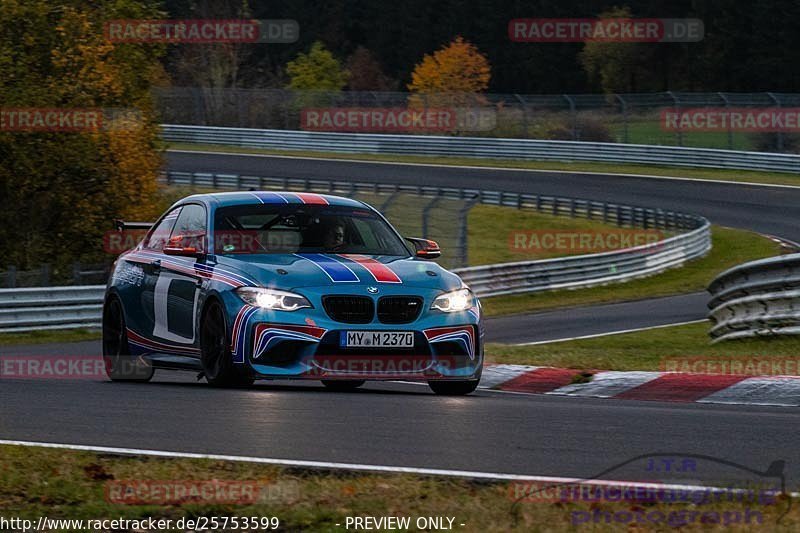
column 377, row 339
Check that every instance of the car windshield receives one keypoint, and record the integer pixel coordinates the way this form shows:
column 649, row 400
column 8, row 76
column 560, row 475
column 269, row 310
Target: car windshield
column 282, row 229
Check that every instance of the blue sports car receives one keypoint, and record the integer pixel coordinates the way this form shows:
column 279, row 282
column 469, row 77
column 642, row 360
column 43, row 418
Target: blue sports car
column 239, row 286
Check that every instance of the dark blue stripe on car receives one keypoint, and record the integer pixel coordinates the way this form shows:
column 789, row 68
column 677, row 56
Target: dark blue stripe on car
column 337, row 271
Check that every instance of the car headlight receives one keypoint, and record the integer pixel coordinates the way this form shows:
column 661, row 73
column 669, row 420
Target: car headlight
column 272, row 299
column 453, row 301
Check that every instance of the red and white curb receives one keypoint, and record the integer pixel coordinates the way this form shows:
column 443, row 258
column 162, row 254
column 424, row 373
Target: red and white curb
column 653, row 386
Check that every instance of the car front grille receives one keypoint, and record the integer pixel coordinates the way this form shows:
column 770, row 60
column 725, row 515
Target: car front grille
column 399, row 309
column 349, row 309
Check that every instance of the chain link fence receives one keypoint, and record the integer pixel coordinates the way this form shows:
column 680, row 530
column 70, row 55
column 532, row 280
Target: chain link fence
column 616, row 118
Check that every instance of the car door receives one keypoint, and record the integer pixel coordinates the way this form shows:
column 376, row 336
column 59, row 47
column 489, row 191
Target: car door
column 148, row 260
column 177, row 290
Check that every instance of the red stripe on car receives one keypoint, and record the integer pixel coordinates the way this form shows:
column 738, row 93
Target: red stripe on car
column 379, row 271
column 311, row 198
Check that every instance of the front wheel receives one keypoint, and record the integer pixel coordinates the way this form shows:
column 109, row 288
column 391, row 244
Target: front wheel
column 120, row 364
column 342, row 385
column 453, row 388
column 215, row 352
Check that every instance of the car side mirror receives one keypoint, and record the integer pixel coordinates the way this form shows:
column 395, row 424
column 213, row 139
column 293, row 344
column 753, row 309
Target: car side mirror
column 186, row 245
column 425, row 248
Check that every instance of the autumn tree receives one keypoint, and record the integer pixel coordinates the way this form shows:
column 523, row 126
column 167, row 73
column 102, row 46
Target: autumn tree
column 211, row 68
column 615, row 66
column 318, row 70
column 60, row 191
column 365, row 73
column 452, row 73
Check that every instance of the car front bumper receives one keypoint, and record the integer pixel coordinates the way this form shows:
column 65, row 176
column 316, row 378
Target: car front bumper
column 297, row 345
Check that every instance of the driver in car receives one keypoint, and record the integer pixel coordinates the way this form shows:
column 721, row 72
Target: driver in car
column 334, row 237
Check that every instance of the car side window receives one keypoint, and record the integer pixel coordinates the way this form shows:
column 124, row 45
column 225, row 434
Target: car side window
column 159, row 236
column 368, row 238
column 191, row 226
column 191, row 221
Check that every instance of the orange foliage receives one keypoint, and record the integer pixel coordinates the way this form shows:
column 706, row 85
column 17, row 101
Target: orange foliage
column 458, row 68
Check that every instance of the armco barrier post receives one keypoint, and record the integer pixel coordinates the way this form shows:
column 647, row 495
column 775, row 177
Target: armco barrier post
column 624, row 106
column 426, row 213
column 779, row 139
column 463, row 215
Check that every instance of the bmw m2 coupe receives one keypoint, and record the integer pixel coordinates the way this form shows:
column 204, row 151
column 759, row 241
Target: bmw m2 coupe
column 240, row 286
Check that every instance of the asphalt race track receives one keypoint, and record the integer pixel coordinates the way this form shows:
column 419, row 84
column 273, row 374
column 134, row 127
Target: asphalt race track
column 399, row 425
column 406, row 425
column 596, row 319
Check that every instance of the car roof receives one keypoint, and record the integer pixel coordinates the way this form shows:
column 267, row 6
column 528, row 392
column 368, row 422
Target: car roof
column 224, row 199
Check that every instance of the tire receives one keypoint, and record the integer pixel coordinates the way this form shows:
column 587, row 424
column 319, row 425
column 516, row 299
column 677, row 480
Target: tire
column 120, row 364
column 342, row 385
column 215, row 351
column 453, row 388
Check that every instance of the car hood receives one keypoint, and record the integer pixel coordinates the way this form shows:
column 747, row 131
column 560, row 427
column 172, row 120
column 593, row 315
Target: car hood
column 290, row 271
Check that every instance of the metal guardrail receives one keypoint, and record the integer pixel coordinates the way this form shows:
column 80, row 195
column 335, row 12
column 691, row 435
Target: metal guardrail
column 587, row 270
column 759, row 298
column 40, row 308
column 492, row 148
column 606, row 117
column 73, row 307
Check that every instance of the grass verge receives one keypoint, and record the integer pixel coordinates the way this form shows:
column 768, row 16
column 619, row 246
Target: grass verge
column 642, row 350
column 493, row 232
column 775, row 178
column 49, row 337
column 730, row 247
column 38, row 482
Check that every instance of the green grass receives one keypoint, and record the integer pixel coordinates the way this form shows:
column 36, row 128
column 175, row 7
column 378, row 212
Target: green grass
column 491, row 234
column 779, row 178
column 49, row 337
column 650, row 131
column 730, row 247
column 38, row 482
column 642, row 350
